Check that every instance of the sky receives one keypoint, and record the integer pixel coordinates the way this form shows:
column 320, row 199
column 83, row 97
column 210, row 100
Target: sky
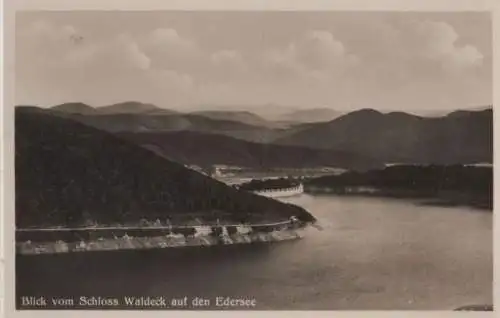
column 340, row 60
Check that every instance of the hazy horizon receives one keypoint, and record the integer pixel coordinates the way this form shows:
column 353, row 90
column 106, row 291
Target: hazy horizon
column 280, row 109
column 344, row 61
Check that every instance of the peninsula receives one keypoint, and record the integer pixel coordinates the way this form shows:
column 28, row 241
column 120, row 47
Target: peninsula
column 79, row 188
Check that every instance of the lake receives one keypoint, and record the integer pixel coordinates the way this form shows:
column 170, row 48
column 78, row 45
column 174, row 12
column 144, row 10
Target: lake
column 373, row 253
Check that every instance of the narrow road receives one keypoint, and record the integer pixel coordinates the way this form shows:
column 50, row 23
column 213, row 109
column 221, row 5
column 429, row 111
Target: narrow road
column 149, row 227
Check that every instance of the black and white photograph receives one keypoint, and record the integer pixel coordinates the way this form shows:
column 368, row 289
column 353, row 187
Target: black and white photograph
column 253, row 160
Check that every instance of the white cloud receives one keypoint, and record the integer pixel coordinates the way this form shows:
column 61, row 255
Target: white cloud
column 438, row 41
column 122, row 53
column 319, row 49
column 316, row 55
column 170, row 39
column 168, row 49
column 467, row 55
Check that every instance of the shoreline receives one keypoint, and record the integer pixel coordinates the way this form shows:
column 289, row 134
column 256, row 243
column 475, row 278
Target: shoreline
column 444, row 199
column 202, row 236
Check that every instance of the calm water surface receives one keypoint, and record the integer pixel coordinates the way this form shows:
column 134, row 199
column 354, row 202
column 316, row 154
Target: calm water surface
column 373, row 253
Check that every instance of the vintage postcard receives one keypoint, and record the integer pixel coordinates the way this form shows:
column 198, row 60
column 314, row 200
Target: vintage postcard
column 250, row 160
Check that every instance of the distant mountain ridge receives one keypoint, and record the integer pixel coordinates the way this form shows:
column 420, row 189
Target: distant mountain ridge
column 441, row 113
column 462, row 136
column 75, row 108
column 270, row 112
column 130, row 107
column 311, row 115
column 244, row 117
column 165, row 122
column 459, row 137
column 275, row 113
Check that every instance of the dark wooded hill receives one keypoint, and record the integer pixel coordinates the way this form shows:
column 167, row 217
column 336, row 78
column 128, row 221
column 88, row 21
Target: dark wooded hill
column 208, row 149
column 70, row 174
column 455, row 183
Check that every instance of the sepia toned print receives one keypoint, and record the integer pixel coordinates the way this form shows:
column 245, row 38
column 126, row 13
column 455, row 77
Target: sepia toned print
column 169, row 160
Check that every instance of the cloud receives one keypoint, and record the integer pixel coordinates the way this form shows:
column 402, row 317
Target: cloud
column 438, row 41
column 75, row 70
column 170, row 39
column 282, row 59
column 50, row 42
column 168, row 49
column 316, row 55
column 322, row 61
column 171, row 80
column 122, row 53
column 63, row 47
column 42, row 30
column 231, row 58
column 319, row 49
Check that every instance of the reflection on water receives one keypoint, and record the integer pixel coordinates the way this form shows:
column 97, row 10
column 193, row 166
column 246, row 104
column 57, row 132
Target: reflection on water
column 373, row 253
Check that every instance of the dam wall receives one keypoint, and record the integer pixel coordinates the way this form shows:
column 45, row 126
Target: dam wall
column 283, row 192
